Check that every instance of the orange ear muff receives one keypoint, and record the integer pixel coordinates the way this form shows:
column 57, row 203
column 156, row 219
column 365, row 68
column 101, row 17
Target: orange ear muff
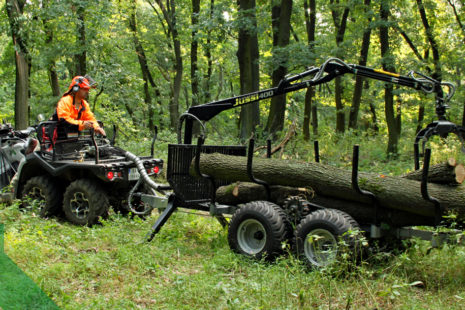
column 76, row 85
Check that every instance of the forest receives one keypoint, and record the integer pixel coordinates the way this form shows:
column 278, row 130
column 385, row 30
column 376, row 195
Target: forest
column 154, row 59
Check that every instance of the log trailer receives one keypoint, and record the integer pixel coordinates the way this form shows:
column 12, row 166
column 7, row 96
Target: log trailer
column 258, row 228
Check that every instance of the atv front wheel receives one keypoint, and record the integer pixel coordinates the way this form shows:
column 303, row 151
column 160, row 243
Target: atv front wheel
column 41, row 194
column 258, row 229
column 84, row 202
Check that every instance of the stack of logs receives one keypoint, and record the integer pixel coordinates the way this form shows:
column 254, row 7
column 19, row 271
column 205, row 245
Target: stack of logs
column 398, row 198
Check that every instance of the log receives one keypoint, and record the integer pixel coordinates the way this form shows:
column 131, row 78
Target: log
column 243, row 192
column 395, row 193
column 443, row 173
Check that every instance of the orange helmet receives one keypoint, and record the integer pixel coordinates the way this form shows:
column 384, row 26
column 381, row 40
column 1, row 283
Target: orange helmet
column 78, row 82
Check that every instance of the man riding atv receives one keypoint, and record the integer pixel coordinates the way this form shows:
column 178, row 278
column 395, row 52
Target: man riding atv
column 73, row 107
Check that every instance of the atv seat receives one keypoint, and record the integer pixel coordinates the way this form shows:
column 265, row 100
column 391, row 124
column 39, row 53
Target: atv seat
column 60, row 139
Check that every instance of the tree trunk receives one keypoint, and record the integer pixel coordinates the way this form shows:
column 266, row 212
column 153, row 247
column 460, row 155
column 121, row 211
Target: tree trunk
column 340, row 24
column 443, row 173
column 146, row 75
column 169, row 14
column 174, row 107
column 421, row 115
column 310, row 23
column 395, row 193
column 307, row 113
column 437, row 74
column 243, row 192
column 358, row 88
column 388, row 65
column 52, row 73
column 194, row 52
column 315, row 118
column 374, row 118
column 281, row 23
column 247, row 56
column 340, row 113
column 81, row 58
column 208, row 55
column 145, row 70
column 14, row 10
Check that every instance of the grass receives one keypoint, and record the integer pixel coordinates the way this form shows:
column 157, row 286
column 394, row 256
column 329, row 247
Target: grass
column 189, row 266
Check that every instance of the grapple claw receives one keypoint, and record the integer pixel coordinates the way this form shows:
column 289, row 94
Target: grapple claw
column 441, row 128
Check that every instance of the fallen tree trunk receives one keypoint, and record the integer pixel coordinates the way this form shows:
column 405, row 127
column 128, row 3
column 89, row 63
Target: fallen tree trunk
column 243, row 192
column 392, row 192
column 443, row 173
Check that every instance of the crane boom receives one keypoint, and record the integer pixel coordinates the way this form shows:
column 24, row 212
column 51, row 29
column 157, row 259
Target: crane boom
column 329, row 70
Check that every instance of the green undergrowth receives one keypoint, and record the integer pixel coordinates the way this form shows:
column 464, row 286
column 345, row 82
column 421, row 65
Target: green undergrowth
column 190, row 266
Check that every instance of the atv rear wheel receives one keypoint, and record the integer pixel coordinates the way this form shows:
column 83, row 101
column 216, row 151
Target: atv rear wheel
column 41, row 194
column 84, row 202
column 258, row 229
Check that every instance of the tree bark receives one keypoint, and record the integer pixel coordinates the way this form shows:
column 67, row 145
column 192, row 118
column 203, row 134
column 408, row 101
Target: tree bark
column 394, row 193
column 310, row 23
column 307, row 113
column 53, row 75
column 281, row 23
column 437, row 74
column 140, row 52
column 340, row 23
column 247, row 56
column 388, row 65
column 243, row 192
column 194, row 52
column 358, row 87
column 169, row 14
column 81, row 58
column 374, row 118
column 208, row 55
column 443, row 173
column 14, row 10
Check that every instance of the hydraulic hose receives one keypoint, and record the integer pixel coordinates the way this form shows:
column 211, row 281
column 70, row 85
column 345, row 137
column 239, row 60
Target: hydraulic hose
column 145, row 177
column 141, row 169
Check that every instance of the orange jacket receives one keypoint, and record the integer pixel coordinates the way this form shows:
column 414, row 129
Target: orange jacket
column 67, row 111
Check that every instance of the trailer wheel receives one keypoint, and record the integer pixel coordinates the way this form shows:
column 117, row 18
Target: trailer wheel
column 323, row 235
column 258, row 229
column 84, row 202
column 44, row 191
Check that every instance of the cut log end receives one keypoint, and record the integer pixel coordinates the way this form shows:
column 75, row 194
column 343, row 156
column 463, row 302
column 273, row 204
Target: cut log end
column 459, row 173
column 452, row 162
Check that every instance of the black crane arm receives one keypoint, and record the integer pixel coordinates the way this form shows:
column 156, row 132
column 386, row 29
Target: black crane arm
column 329, row 70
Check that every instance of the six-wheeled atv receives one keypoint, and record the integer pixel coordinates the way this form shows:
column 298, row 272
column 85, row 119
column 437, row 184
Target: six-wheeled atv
column 78, row 174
